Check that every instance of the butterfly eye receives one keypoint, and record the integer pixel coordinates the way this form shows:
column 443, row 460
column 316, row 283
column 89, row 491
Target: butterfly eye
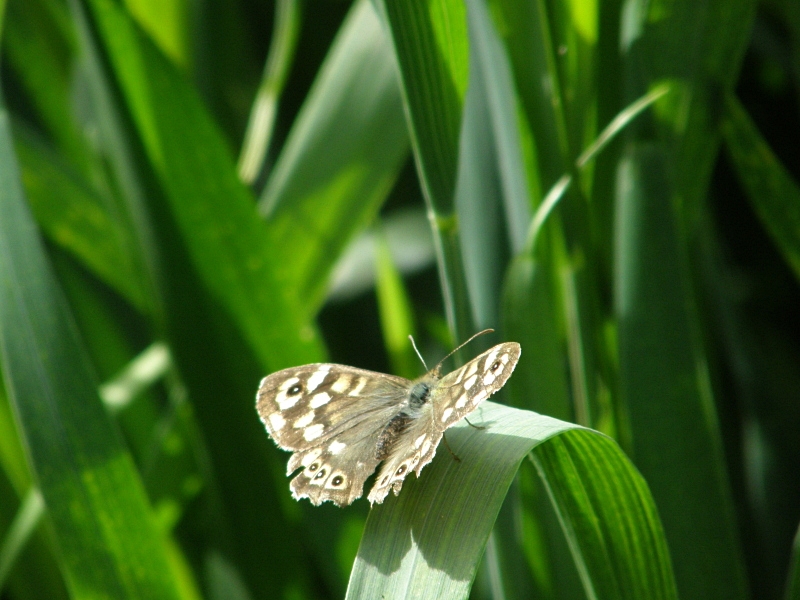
column 337, row 481
column 401, row 470
column 294, row 390
column 495, row 365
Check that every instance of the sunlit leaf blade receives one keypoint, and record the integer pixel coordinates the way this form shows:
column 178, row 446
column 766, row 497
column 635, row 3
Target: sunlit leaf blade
column 108, row 541
column 340, row 160
column 431, row 44
column 771, row 189
column 428, row 542
column 610, row 520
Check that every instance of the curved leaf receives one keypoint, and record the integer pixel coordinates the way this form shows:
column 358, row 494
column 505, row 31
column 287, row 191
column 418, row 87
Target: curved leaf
column 428, row 542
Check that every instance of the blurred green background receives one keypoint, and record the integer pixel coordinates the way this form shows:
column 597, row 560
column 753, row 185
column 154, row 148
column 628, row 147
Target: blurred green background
column 194, row 194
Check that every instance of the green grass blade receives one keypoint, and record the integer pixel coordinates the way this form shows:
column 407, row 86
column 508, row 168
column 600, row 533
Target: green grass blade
column 664, row 384
column 28, row 517
column 340, row 161
column 775, row 196
column 227, row 243
column 72, row 215
column 109, row 544
column 428, row 542
column 282, row 48
column 793, row 580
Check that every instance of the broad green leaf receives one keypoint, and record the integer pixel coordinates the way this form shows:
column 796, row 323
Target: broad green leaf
column 771, row 189
column 73, row 216
column 227, row 243
column 428, row 542
column 432, row 47
column 107, row 538
column 664, row 384
column 340, row 161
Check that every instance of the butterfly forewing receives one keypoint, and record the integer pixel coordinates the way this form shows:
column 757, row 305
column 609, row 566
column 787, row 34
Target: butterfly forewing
column 341, row 422
column 306, row 406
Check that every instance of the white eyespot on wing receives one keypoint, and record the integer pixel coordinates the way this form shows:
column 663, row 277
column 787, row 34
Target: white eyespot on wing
column 462, row 401
column 304, row 420
column 336, row 447
column 446, row 413
column 282, row 399
column 470, row 382
column 320, row 399
column 340, row 385
column 360, row 383
column 277, row 421
column 317, row 377
column 419, row 440
column 312, row 432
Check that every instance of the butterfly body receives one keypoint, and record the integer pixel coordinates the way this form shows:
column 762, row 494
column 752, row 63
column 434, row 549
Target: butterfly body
column 341, row 422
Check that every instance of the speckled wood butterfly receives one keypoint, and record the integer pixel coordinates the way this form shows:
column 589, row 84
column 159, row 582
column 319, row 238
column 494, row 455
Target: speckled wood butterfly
column 340, row 422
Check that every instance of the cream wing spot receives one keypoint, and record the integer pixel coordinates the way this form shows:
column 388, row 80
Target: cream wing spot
column 425, row 447
column 470, row 382
column 277, row 421
column 320, row 399
column 419, row 440
column 311, row 457
column 341, row 385
column 472, row 368
column 312, row 432
column 490, row 359
column 360, row 383
column 317, row 378
column 480, row 397
column 462, row 401
column 489, row 378
column 304, row 420
column 446, row 413
column 336, row 447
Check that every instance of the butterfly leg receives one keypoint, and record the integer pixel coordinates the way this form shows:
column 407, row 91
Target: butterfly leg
column 475, row 426
column 453, row 454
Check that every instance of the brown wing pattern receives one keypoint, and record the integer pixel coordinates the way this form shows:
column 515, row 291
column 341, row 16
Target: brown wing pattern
column 319, row 411
column 454, row 396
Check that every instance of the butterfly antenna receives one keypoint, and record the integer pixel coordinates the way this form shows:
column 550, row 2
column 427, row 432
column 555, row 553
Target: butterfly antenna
column 413, row 343
column 461, row 346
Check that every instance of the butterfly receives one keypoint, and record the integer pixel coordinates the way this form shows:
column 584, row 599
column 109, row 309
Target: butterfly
column 341, row 422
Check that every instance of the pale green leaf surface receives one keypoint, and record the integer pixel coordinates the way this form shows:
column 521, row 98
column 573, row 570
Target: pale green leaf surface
column 428, row 541
column 107, row 537
column 340, row 161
